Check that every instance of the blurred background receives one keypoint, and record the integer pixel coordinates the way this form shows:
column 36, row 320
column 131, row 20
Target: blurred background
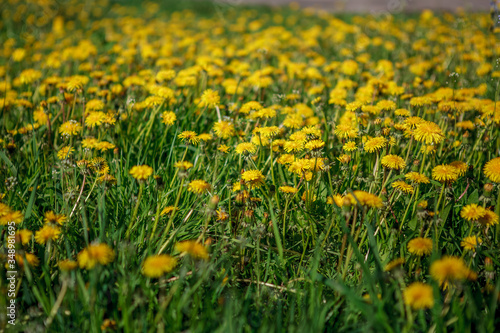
column 375, row 6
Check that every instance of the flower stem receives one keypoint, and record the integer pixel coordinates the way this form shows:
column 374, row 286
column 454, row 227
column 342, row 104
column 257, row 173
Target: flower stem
column 136, row 208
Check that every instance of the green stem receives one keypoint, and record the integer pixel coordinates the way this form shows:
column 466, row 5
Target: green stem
column 136, row 208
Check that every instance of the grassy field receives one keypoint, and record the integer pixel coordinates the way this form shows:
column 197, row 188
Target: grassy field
column 205, row 167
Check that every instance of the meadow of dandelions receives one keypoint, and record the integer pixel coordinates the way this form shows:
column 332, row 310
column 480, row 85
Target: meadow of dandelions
column 249, row 169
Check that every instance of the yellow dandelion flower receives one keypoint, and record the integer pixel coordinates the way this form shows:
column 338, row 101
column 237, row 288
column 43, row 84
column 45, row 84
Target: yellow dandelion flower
column 492, row 170
column 98, row 253
column 47, row 233
column 364, row 198
column 315, row 144
column 167, row 210
column 428, row 132
column 51, row 217
column 193, row 248
column 394, row 264
column 288, row 189
column 402, row 186
column 393, row 162
column 417, row 178
column 350, row 146
column 141, row 172
column 445, row 173
column 11, row 216
column 375, row 144
column 198, row 186
column 156, row 265
column 490, row 218
column 95, row 118
column 419, row 295
column 449, row 269
column 253, row 178
column 223, row 148
column 470, row 243
column 190, row 137
column 205, row 137
column 65, row 152
column 71, row 127
column 346, row 131
column 210, row 98
column 460, row 166
column 24, row 235
column 183, row 165
column 168, row 118
column 472, row 212
column 420, row 246
column 224, row 129
column 246, row 148
column 30, row 258
column 67, row 265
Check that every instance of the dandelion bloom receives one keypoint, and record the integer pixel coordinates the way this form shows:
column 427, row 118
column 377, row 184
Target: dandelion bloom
column 448, row 269
column 293, row 146
column 221, row 215
column 246, row 148
column 253, row 178
column 67, row 265
column 402, row 186
column 350, row 146
column 168, row 118
column 205, row 137
column 183, row 165
column 428, row 132
column 190, row 137
column 95, row 118
column 445, row 173
column 344, row 158
column 157, row 265
column 198, row 186
column 11, row 216
column 460, row 166
column 167, row 210
column 315, row 144
column 417, row 178
column 492, row 170
column 24, row 235
column 30, row 258
column 345, row 131
column 224, row 129
column 470, row 243
column 419, row 295
column 141, row 172
column 394, row 264
column 490, row 218
column 94, row 105
column 268, row 131
column 193, row 248
column 472, row 212
column 420, row 246
column 364, row 198
column 71, row 127
column 286, row 159
column 95, row 254
column 65, row 152
column 393, row 162
column 336, row 199
column 47, row 233
column 223, row 148
column 210, row 98
column 288, row 189
column 375, row 144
